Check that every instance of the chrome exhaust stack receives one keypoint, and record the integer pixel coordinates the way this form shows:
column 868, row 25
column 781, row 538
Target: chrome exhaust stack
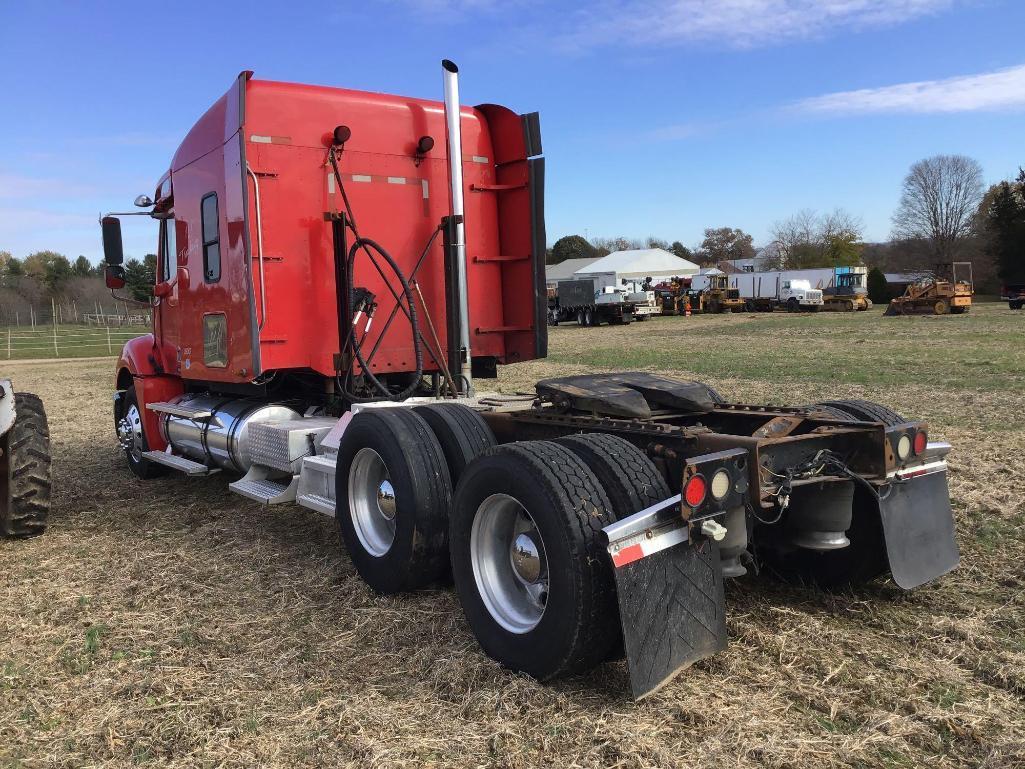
column 453, row 131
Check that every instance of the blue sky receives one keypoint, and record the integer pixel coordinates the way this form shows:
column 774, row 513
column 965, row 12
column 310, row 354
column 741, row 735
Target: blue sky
column 658, row 118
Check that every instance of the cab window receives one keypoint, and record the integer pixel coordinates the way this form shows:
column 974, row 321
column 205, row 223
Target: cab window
column 168, row 252
column 211, row 239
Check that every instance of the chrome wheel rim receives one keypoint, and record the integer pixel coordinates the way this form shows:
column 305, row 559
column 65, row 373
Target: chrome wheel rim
column 372, row 502
column 129, row 432
column 510, row 565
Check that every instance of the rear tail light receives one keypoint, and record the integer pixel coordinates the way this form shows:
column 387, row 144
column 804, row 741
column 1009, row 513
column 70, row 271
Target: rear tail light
column 720, row 484
column 695, row 490
column 921, row 441
column 903, row 447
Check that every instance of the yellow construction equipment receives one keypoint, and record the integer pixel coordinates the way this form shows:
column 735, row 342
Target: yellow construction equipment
column 943, row 293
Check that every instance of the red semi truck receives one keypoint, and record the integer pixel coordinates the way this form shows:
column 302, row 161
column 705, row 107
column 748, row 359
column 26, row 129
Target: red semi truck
column 337, row 270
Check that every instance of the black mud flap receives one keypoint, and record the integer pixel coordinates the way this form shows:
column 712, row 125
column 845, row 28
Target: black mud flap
column 918, row 525
column 673, row 611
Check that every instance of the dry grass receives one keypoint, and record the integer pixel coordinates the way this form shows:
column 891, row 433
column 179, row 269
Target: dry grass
column 174, row 623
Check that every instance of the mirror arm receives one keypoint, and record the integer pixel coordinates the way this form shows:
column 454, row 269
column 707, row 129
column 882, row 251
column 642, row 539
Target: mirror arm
column 128, row 299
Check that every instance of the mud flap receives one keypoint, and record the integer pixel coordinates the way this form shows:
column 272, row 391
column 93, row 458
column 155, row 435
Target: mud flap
column 918, row 525
column 671, row 601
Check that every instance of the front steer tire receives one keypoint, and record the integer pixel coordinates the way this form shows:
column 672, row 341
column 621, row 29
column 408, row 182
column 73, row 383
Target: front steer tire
column 141, row 467
column 25, row 463
column 397, row 447
column 579, row 626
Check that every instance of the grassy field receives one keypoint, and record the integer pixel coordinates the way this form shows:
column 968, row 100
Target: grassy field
column 173, row 623
column 70, row 341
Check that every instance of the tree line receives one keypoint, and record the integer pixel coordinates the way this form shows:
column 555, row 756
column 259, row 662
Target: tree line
column 53, row 275
column 945, row 214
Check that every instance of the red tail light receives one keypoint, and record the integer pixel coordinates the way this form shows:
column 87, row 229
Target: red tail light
column 695, row 490
column 921, row 441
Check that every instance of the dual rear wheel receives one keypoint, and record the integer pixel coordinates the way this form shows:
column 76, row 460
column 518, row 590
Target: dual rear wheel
column 424, row 490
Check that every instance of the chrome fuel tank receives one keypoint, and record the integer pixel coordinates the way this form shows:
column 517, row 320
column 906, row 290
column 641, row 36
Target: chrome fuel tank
column 222, row 438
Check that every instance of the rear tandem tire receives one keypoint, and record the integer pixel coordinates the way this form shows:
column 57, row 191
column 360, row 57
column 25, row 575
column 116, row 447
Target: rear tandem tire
column 25, row 464
column 866, row 411
column 461, row 431
column 396, row 534
column 565, row 620
column 629, row 477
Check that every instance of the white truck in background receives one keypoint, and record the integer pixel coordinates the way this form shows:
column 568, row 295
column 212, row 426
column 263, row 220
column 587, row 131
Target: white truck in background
column 596, row 299
column 792, row 295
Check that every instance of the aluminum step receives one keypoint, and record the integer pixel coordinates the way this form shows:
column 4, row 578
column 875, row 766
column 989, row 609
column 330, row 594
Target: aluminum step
column 267, row 491
column 181, row 410
column 181, row 464
column 317, row 484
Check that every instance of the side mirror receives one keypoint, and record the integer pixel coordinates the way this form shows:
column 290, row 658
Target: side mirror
column 114, row 276
column 143, row 201
column 113, row 252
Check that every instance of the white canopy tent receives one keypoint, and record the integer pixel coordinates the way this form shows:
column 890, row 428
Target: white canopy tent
column 638, row 264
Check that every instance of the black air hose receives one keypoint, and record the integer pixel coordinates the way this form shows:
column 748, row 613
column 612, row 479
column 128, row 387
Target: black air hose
column 352, row 340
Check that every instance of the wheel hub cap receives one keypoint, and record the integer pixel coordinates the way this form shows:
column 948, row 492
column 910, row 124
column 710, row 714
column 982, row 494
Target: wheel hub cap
column 372, row 503
column 509, row 563
column 129, row 431
column 526, row 558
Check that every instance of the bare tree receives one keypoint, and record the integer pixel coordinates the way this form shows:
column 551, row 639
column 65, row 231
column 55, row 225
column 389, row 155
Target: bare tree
column 808, row 239
column 938, row 202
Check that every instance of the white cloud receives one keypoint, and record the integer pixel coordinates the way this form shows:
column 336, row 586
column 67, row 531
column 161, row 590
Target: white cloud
column 737, row 23
column 1002, row 89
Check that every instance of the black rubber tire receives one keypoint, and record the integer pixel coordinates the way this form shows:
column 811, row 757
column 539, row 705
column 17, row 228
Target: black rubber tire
column 580, row 625
column 793, row 305
column 630, row 479
column 461, row 431
column 581, row 318
column 25, row 463
column 418, row 556
column 141, row 468
column 866, row 411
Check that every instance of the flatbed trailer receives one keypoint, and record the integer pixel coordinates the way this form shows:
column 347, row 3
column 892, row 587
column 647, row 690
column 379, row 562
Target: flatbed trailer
column 596, row 516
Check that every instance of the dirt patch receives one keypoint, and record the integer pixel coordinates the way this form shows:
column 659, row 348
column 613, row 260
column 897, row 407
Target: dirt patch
column 172, row 622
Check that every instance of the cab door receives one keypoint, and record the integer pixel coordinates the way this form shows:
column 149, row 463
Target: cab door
column 168, row 309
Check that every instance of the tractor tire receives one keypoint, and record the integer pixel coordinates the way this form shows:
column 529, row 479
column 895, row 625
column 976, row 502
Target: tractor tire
column 630, row 479
column 1014, row 305
column 865, row 411
column 959, row 310
column 393, row 493
column 793, row 305
column 461, row 431
column 581, row 318
column 591, row 319
column 529, row 560
column 941, row 307
column 132, row 437
column 25, row 480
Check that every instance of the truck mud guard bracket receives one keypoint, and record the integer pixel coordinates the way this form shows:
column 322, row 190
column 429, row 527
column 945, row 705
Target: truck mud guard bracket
column 672, row 604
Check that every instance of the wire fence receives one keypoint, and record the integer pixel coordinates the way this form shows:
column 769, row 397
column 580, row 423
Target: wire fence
column 72, row 341
column 34, row 315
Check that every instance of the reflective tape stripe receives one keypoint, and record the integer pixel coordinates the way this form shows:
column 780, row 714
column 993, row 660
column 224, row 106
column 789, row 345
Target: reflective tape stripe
column 479, row 159
column 426, row 188
column 331, row 182
column 361, row 178
column 396, row 180
column 260, row 139
column 622, row 556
